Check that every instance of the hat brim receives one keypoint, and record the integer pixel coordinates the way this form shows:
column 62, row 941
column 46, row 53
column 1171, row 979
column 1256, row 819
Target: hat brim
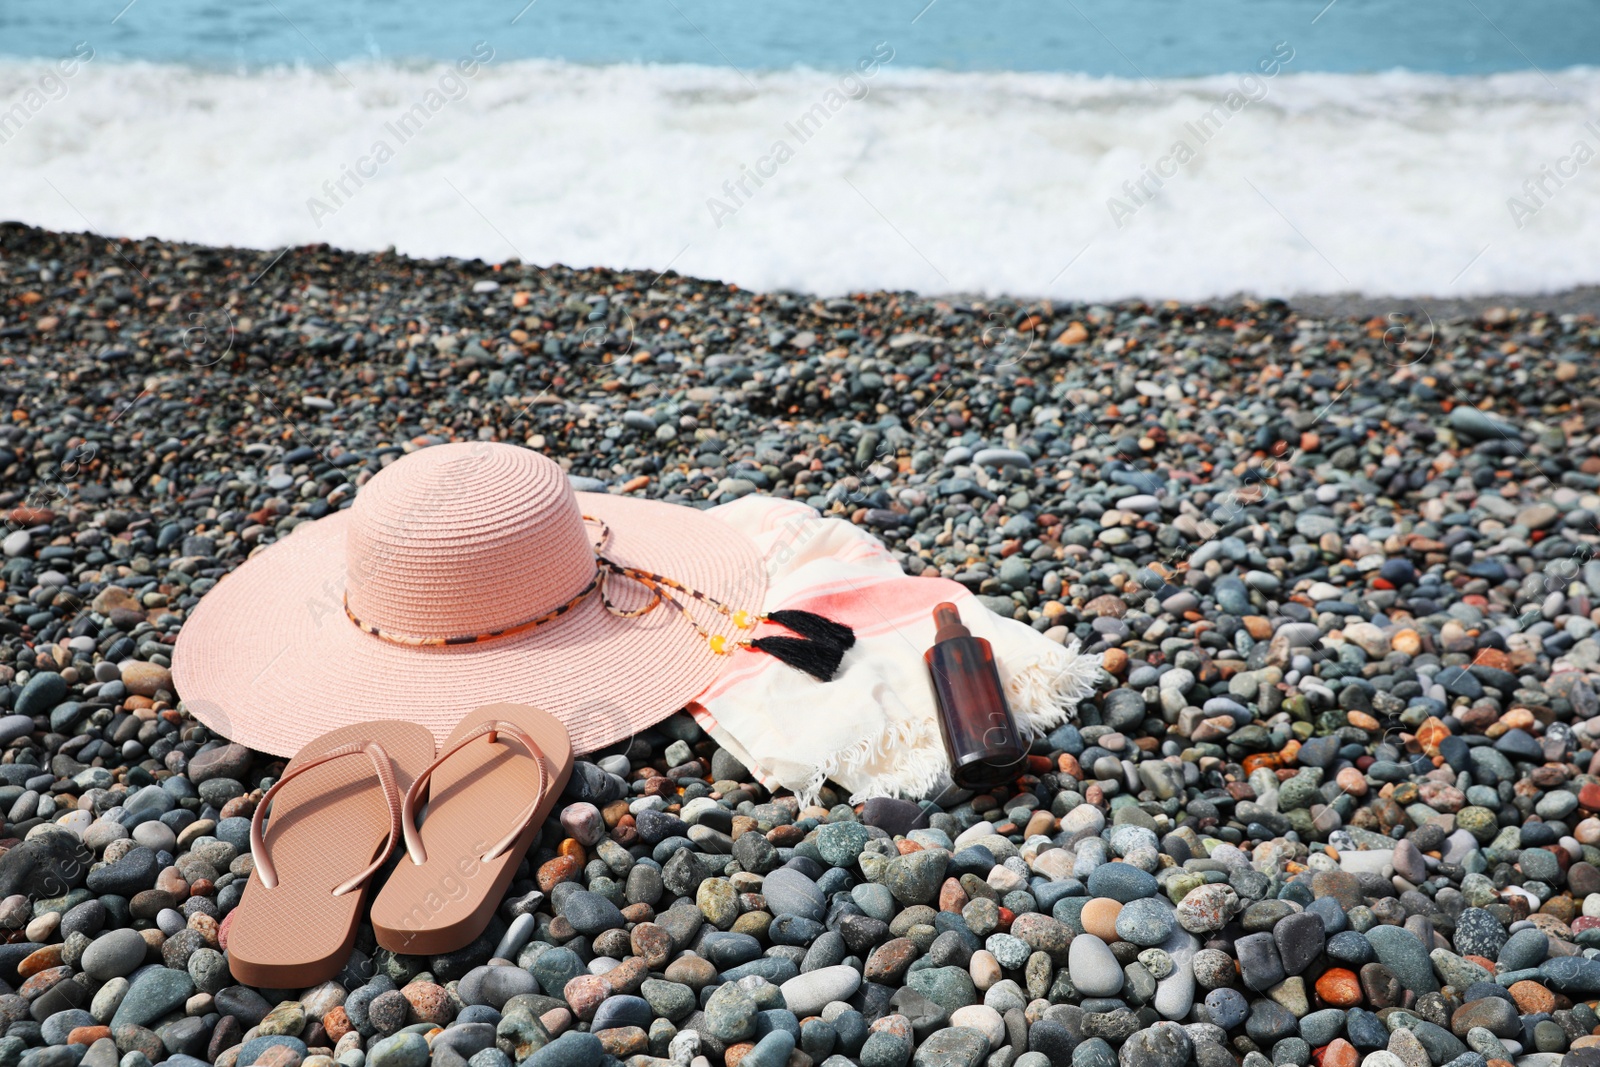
column 269, row 659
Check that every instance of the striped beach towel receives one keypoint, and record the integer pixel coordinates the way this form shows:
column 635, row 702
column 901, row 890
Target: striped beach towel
column 872, row 729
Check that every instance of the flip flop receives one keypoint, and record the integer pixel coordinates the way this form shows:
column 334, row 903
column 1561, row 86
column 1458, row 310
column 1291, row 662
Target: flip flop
column 334, row 821
column 458, row 864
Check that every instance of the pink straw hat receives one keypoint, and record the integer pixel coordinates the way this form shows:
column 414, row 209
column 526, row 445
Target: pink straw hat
column 465, row 575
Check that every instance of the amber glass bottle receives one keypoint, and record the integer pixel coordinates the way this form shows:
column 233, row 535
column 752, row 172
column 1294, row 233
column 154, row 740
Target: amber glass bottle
column 979, row 733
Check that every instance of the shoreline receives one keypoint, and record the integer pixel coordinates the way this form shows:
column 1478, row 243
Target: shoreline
column 1354, row 306
column 1580, row 300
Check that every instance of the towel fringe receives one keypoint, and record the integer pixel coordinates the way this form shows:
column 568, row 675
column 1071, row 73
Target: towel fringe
column 1046, row 693
column 908, row 759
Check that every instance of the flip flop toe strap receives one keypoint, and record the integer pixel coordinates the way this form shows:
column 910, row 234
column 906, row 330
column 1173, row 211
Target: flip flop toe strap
column 391, row 795
column 492, row 729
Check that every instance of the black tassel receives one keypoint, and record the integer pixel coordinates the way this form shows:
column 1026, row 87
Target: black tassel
column 817, row 659
column 816, row 627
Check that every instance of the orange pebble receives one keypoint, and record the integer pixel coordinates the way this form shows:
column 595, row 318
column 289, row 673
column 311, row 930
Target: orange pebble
column 1099, row 917
column 39, row 960
column 952, row 897
column 554, row 872
column 87, row 1035
column 1352, row 781
column 1430, row 734
column 1339, row 988
column 1269, row 760
column 1518, row 719
column 1531, row 997
column 1493, row 657
column 337, row 1023
column 1337, row 1053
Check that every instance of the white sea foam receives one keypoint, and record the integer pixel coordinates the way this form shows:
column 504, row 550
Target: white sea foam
column 1389, row 183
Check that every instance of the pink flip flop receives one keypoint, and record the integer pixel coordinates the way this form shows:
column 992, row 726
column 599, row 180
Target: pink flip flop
column 335, row 817
column 495, row 780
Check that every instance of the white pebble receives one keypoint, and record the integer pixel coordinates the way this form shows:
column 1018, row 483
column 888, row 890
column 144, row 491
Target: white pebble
column 156, row 835
column 1056, row 864
column 1095, row 971
column 76, row 821
column 983, row 1019
column 109, row 999
column 1004, row 880
column 1083, row 817
column 41, row 929
column 1370, row 861
column 808, row 993
column 984, row 969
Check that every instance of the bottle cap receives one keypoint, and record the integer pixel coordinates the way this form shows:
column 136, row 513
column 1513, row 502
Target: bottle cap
column 948, row 620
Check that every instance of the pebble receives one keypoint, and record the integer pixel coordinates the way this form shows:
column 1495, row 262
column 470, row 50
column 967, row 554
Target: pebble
column 1120, row 881
column 773, row 1050
column 1146, row 922
column 954, row 1046
column 40, row 694
column 401, row 1050
column 788, row 892
column 114, row 954
column 809, row 993
column 1095, row 971
column 151, row 995
column 841, row 843
column 590, row 913
column 731, row 1013
column 915, row 878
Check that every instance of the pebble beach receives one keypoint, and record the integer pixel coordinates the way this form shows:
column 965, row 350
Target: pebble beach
column 1336, row 800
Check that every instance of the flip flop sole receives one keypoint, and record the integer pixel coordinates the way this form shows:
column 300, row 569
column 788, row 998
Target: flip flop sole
column 444, row 903
column 334, row 821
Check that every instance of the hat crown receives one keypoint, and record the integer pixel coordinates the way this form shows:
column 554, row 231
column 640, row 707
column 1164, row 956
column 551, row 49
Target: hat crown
column 465, row 539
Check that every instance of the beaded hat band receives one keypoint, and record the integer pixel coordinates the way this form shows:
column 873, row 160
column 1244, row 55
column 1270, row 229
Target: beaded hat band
column 817, row 650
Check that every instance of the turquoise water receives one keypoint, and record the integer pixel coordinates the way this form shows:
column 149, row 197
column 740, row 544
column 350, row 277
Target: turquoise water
column 1142, row 39
column 1052, row 148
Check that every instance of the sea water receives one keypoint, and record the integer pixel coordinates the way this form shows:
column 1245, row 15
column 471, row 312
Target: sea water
column 1076, row 149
